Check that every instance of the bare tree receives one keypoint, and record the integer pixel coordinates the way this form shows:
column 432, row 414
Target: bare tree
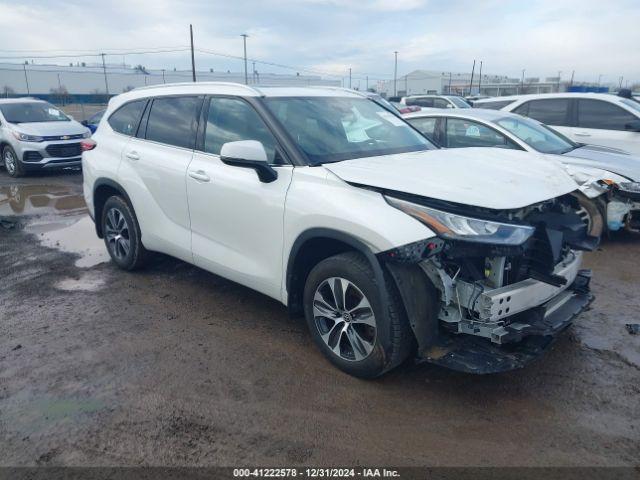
column 7, row 90
column 60, row 95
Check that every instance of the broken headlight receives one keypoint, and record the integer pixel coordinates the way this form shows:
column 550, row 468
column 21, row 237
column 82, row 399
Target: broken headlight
column 457, row 227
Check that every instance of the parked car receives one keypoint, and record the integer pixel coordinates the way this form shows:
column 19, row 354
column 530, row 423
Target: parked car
column 435, row 101
column 335, row 206
column 92, row 122
column 594, row 118
column 36, row 135
column 490, row 128
column 405, row 108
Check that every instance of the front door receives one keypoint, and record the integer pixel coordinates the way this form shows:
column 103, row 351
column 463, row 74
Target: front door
column 236, row 220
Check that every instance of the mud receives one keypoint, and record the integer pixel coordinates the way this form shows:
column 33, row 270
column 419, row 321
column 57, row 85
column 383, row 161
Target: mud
column 175, row 366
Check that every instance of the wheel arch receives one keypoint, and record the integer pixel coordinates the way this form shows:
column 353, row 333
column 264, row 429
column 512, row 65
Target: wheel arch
column 313, row 246
column 104, row 188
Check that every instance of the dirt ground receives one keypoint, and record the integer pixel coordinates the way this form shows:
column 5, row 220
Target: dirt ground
column 176, row 366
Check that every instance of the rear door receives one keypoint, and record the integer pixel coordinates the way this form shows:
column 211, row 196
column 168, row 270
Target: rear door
column 603, row 123
column 237, row 220
column 154, row 169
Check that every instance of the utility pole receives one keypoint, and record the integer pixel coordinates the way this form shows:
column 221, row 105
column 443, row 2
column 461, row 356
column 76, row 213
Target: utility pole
column 163, row 76
column 473, row 69
column 621, row 78
column 558, row 87
column 244, row 40
column 253, row 73
column 571, row 82
column 193, row 57
column 104, row 71
column 449, row 84
column 522, row 81
column 349, row 77
column 59, row 84
column 480, row 78
column 26, row 79
column 599, row 79
column 395, row 75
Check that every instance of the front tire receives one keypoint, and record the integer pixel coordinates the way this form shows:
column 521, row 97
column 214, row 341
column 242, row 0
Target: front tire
column 122, row 235
column 11, row 162
column 349, row 322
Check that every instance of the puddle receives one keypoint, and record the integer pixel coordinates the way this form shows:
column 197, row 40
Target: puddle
column 88, row 282
column 40, row 199
column 73, row 235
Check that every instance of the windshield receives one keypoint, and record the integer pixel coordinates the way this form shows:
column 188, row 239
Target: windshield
column 331, row 129
column 29, row 112
column 459, row 102
column 536, row 135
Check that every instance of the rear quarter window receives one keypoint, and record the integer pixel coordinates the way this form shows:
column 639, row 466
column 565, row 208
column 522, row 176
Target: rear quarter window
column 497, row 105
column 125, row 120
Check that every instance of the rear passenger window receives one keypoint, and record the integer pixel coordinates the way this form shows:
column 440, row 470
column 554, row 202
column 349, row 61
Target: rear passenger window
column 231, row 120
column 426, row 126
column 550, row 111
column 125, row 119
column 171, row 121
column 602, row 115
column 420, row 102
column 494, row 105
column 463, row 133
column 441, row 103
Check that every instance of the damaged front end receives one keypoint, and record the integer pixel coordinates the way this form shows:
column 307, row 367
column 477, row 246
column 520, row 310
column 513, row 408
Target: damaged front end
column 623, row 207
column 491, row 292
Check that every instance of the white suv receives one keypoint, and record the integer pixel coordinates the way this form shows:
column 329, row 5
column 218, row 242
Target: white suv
column 589, row 118
column 335, row 206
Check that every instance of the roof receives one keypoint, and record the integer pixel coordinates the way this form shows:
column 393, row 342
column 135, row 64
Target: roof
column 532, row 96
column 19, row 100
column 472, row 113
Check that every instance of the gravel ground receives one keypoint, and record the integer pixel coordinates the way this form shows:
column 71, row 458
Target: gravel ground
column 176, row 366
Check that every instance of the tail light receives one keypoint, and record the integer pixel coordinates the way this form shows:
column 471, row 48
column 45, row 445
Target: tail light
column 88, row 144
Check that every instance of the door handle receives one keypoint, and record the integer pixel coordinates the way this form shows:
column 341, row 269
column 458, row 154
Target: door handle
column 132, row 156
column 582, row 134
column 199, row 175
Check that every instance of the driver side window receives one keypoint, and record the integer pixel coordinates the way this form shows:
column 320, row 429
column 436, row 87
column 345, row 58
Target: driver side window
column 233, row 119
column 462, row 133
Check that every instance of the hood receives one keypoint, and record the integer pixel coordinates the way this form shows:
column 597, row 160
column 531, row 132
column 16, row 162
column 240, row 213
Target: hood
column 483, row 177
column 610, row 159
column 50, row 129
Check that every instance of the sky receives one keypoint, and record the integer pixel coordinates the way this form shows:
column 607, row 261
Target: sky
column 330, row 36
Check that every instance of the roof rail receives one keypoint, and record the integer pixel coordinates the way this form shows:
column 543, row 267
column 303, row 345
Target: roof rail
column 342, row 89
column 184, row 84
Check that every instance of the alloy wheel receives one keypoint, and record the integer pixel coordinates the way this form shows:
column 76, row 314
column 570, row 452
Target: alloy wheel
column 9, row 161
column 344, row 318
column 117, row 234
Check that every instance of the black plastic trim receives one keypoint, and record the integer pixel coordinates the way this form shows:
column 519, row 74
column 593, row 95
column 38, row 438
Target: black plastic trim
column 109, row 183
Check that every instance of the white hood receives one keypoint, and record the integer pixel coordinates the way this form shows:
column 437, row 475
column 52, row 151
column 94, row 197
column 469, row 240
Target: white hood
column 50, row 129
column 483, row 177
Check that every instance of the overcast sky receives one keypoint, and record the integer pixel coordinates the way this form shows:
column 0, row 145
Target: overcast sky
column 543, row 37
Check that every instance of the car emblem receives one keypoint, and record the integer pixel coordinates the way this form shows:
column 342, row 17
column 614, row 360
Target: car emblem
column 65, row 137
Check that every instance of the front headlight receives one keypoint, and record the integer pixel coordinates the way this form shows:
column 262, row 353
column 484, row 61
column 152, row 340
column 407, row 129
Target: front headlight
column 629, row 187
column 86, row 134
column 457, row 227
column 23, row 137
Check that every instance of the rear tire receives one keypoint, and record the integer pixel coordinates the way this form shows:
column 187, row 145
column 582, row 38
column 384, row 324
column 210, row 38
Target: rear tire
column 11, row 162
column 122, row 235
column 349, row 322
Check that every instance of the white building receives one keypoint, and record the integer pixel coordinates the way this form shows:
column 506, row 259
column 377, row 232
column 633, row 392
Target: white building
column 77, row 80
column 435, row 82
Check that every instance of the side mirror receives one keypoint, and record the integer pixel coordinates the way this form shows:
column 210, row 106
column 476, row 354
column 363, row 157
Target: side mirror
column 249, row 154
column 85, row 123
column 633, row 126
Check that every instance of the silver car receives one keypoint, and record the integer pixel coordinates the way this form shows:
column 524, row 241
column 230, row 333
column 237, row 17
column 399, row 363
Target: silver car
column 36, row 135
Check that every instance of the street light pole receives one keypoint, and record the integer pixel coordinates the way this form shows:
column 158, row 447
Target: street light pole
column 395, row 75
column 522, row 81
column 244, row 41
column 473, row 69
column 480, row 78
column 26, row 79
column 104, row 71
column 193, row 58
column 558, row 88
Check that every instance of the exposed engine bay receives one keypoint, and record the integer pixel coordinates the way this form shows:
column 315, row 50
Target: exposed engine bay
column 499, row 293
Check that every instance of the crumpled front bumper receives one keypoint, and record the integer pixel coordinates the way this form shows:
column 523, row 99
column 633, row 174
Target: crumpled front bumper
column 473, row 354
